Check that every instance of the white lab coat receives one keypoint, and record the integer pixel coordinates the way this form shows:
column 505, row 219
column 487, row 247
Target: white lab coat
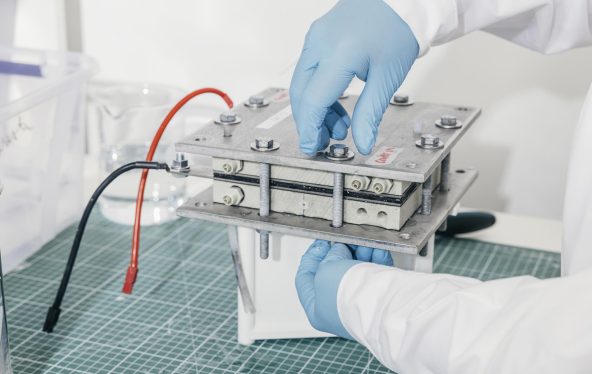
column 435, row 323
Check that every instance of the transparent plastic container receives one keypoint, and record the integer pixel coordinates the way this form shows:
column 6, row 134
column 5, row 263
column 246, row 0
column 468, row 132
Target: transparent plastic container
column 42, row 102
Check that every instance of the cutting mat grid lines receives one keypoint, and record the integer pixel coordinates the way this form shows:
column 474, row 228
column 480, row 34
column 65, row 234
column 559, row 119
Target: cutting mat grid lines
column 182, row 316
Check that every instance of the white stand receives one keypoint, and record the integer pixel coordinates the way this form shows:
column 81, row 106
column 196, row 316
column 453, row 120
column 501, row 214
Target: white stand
column 278, row 313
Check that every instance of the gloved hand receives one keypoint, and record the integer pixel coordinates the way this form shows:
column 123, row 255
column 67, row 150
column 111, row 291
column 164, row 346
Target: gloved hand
column 318, row 277
column 365, row 38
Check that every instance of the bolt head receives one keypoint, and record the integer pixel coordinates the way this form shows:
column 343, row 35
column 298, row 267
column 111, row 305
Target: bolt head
column 227, row 200
column 378, row 188
column 401, row 99
column 448, row 120
column 227, row 117
column 430, row 140
column 227, row 168
column 338, row 150
column 264, row 143
column 256, row 100
column 356, row 185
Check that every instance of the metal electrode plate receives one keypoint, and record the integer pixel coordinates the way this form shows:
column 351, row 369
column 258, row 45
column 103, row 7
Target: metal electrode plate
column 394, row 156
column 410, row 239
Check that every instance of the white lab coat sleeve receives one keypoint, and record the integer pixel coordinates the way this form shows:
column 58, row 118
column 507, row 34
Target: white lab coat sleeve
column 546, row 26
column 437, row 323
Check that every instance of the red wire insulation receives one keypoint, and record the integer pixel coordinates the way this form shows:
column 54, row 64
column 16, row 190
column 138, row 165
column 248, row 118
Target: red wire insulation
column 132, row 271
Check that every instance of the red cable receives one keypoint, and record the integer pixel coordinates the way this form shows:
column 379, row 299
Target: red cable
column 132, row 270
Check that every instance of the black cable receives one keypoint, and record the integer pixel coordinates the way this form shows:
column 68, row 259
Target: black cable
column 53, row 313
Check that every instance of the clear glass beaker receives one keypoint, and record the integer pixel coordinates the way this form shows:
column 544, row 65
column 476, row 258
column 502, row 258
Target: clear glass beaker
column 128, row 116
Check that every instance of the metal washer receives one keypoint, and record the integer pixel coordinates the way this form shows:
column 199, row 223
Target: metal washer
column 430, row 147
column 408, row 103
column 257, row 106
column 348, row 156
column 276, row 146
column 235, row 122
column 458, row 125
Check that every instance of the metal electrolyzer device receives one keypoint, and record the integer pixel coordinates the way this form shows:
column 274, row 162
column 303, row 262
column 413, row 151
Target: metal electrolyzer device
column 274, row 198
column 395, row 198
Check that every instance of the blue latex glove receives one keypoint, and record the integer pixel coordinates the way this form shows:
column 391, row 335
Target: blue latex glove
column 321, row 269
column 365, row 38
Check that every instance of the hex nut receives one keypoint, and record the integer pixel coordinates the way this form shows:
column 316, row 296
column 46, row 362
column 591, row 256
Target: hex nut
column 256, row 101
column 429, row 141
column 380, row 186
column 401, row 99
column 180, row 166
column 448, row 120
column 338, row 150
column 264, row 143
column 233, row 196
column 228, row 117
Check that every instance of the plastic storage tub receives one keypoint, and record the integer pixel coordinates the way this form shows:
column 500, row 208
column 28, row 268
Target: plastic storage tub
column 42, row 101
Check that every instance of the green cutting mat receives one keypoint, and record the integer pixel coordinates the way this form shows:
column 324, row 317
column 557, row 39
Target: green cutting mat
column 182, row 315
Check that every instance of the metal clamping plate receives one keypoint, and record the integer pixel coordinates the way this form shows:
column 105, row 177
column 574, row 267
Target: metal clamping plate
column 395, row 155
column 410, row 239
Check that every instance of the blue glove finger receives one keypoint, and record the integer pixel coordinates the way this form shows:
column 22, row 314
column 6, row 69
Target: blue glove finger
column 363, row 253
column 337, row 121
column 307, row 270
column 382, row 257
column 325, row 138
column 338, row 252
column 369, row 110
column 305, row 68
column 322, row 91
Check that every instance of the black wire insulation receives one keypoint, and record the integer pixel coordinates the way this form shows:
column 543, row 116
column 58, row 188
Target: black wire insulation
column 53, row 313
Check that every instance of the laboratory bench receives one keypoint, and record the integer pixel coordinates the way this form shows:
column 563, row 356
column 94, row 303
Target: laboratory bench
column 181, row 317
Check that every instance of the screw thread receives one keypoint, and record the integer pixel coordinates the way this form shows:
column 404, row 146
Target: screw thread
column 337, row 199
column 426, row 196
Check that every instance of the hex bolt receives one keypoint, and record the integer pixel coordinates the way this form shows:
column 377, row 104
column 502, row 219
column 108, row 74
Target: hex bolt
column 401, row 99
column 426, row 196
column 429, row 140
column 256, row 100
column 227, row 120
column 448, row 120
column 264, row 143
column 359, row 183
column 445, row 174
column 337, row 200
column 338, row 150
column 380, row 186
column 233, row 196
column 264, row 207
column 228, row 117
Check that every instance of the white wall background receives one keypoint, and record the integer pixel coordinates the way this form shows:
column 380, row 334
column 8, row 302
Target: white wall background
column 530, row 102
